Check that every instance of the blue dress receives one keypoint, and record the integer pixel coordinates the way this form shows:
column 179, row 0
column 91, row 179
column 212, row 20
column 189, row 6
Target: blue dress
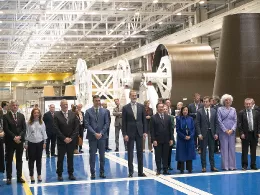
column 185, row 149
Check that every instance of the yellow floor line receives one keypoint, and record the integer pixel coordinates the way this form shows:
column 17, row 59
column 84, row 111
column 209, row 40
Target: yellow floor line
column 25, row 185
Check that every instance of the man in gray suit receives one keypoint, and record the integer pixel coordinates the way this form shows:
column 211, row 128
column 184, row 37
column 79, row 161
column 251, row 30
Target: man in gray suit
column 117, row 112
column 206, row 126
column 97, row 123
column 134, row 130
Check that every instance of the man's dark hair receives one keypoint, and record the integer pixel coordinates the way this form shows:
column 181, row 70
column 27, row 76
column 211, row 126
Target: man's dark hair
column 95, row 96
column 3, row 104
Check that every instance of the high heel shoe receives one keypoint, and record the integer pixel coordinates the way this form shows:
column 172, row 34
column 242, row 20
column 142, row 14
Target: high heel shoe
column 39, row 179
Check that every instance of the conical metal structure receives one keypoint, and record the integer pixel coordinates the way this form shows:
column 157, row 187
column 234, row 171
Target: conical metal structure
column 238, row 68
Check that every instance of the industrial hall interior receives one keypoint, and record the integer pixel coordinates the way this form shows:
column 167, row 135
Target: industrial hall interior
column 129, row 97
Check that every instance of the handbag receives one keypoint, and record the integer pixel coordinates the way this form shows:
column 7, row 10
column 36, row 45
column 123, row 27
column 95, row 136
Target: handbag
column 80, row 143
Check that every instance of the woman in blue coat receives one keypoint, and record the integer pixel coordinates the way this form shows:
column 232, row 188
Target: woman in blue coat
column 185, row 149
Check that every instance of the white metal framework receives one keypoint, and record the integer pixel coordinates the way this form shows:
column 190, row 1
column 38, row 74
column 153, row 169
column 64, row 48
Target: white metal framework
column 50, row 35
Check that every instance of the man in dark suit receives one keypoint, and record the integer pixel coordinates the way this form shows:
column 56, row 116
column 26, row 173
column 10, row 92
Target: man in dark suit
column 66, row 127
column 216, row 105
column 248, row 124
column 48, row 119
column 206, row 127
column 97, row 123
column 193, row 107
column 14, row 128
column 162, row 138
column 104, row 105
column 134, row 128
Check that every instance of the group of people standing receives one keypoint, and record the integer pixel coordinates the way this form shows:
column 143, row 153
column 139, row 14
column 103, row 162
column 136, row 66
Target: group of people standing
column 205, row 124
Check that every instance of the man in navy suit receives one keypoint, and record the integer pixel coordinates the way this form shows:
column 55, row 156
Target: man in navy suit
column 48, row 119
column 134, row 129
column 97, row 123
column 206, row 126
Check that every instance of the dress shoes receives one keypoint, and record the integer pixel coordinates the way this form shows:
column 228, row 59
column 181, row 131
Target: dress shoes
column 20, row 180
column 244, row 168
column 170, row 168
column 254, row 168
column 8, row 181
column 214, row 169
column 158, row 173
column 116, row 150
column 60, row 178
column 102, row 175
column 203, row 170
column 166, row 173
column 93, row 176
column 130, row 175
column 72, row 177
column 141, row 175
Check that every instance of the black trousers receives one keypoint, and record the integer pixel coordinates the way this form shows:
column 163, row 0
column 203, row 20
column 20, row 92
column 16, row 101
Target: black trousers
column 139, row 149
column 252, row 142
column 180, row 165
column 161, row 156
column 107, row 140
column 12, row 147
column 170, row 156
column 209, row 141
column 51, row 140
column 62, row 150
column 35, row 154
column 2, row 155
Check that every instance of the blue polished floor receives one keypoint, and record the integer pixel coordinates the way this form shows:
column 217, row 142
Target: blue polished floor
column 117, row 182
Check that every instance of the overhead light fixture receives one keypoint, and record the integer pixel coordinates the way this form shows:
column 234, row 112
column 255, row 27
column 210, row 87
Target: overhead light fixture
column 106, row 1
column 69, row 57
column 111, row 30
column 114, row 46
column 160, row 23
column 137, row 13
column 1, row 22
column 201, row 2
column 146, row 30
column 86, row 46
column 123, row 41
column 155, row 1
column 42, row 2
column 74, row 54
column 179, row 13
column 1, row 12
column 106, row 50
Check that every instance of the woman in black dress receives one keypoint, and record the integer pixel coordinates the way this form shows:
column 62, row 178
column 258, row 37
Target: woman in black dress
column 2, row 155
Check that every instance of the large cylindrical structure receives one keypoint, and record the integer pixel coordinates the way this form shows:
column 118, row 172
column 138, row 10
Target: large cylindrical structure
column 238, row 69
column 193, row 70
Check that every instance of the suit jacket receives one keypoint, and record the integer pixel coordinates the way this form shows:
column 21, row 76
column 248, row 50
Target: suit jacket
column 49, row 123
column 242, row 123
column 117, row 112
column 148, row 120
column 161, row 130
column 216, row 106
column 12, row 128
column 130, row 124
column 64, row 129
column 202, row 122
column 257, row 108
column 95, row 124
column 192, row 109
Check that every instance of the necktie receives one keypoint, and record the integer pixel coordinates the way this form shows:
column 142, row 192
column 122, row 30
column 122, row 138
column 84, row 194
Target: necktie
column 250, row 117
column 96, row 110
column 15, row 118
column 52, row 114
column 66, row 116
column 134, row 110
column 162, row 116
column 208, row 118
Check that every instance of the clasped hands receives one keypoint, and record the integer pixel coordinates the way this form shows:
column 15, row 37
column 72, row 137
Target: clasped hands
column 67, row 140
column 229, row 131
column 98, row 136
column 2, row 134
column 17, row 139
